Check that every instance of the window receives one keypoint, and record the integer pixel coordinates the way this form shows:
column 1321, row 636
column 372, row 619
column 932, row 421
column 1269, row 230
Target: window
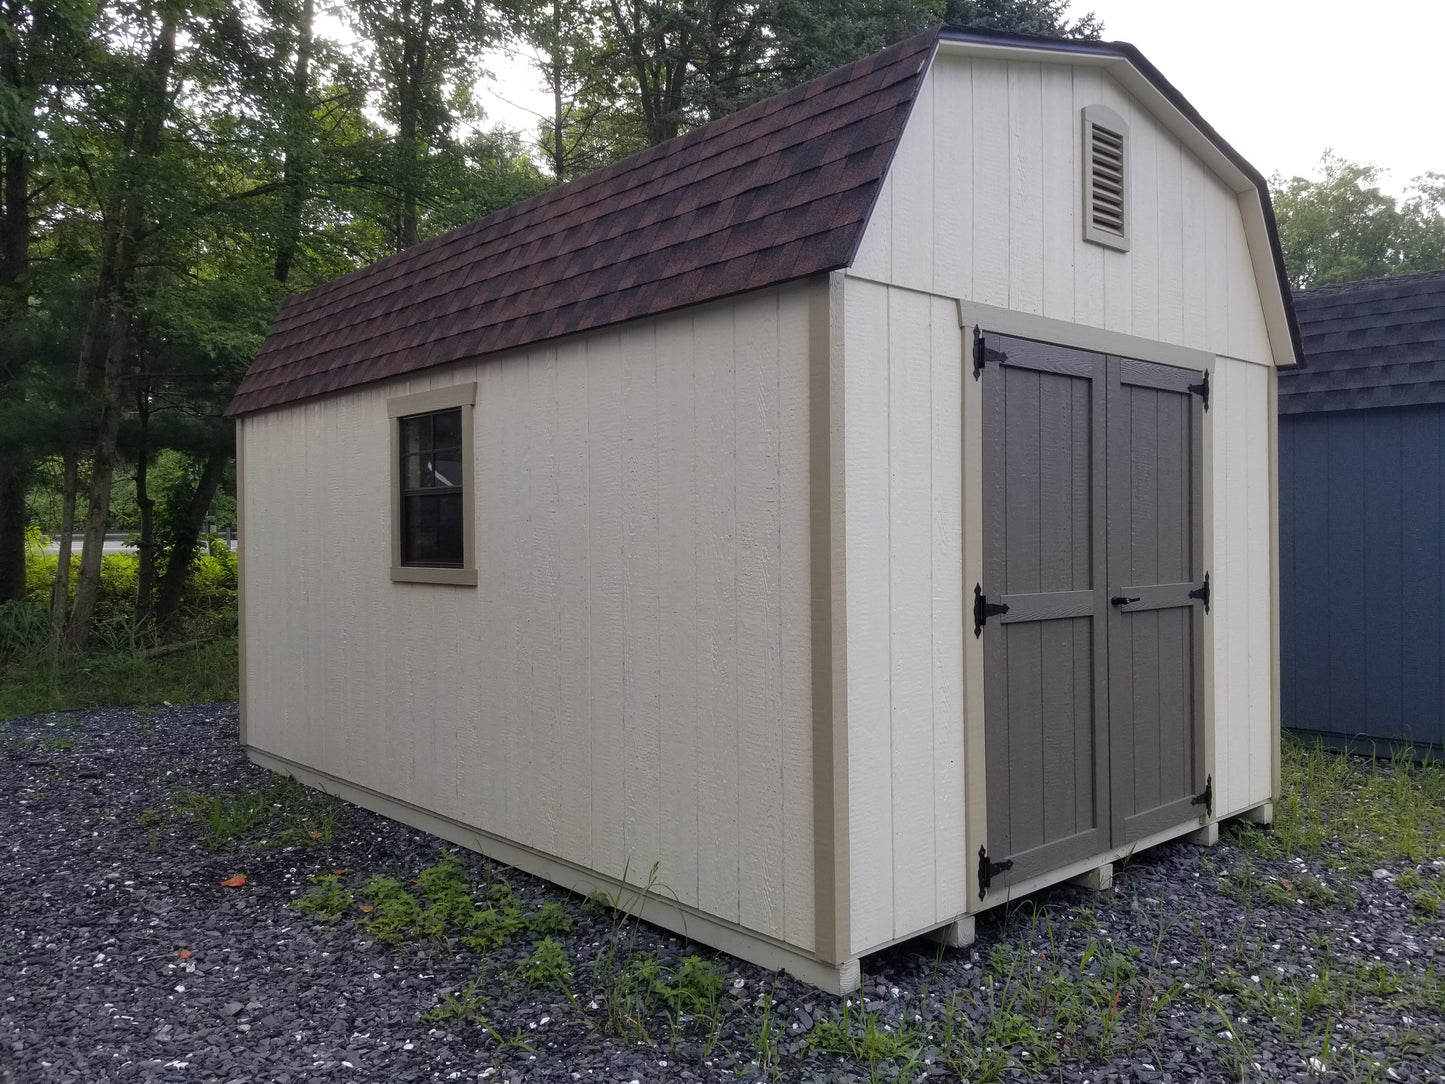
column 1106, row 212
column 432, row 511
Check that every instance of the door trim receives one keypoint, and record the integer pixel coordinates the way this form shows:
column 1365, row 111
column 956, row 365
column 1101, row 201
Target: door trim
column 1093, row 340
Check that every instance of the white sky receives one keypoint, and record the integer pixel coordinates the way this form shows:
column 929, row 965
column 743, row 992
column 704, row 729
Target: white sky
column 1281, row 80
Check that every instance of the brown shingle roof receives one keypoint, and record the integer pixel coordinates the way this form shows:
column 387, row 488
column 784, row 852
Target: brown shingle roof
column 775, row 192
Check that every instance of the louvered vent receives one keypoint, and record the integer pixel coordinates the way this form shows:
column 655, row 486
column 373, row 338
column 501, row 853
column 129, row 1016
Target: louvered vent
column 1106, row 212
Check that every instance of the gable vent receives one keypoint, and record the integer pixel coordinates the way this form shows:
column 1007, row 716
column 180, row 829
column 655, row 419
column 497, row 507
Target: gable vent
column 1106, row 210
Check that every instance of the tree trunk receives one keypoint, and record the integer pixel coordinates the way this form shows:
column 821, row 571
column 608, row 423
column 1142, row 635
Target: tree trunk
column 60, row 586
column 558, row 156
column 12, row 531
column 14, row 269
column 146, row 549
column 295, row 175
column 102, row 472
column 178, row 564
column 125, row 243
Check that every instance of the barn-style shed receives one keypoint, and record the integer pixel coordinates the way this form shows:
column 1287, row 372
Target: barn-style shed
column 857, row 511
column 1362, row 515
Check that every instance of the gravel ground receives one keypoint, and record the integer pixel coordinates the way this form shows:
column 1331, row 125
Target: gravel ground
column 123, row 956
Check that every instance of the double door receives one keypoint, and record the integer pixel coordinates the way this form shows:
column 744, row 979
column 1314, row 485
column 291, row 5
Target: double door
column 1092, row 604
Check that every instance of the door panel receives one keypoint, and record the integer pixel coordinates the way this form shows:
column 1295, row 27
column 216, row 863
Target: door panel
column 1046, row 766
column 1092, row 486
column 1155, row 540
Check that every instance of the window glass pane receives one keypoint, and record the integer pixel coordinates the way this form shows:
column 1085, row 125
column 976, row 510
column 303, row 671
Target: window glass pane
column 415, row 434
column 447, row 468
column 447, row 429
column 432, row 529
column 449, row 528
column 411, row 472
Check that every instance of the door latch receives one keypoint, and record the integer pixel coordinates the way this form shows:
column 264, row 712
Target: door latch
column 1123, row 600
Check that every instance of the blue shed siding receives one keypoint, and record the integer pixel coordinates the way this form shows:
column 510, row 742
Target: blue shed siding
column 1362, row 594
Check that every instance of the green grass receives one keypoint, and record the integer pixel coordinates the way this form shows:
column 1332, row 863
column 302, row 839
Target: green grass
column 40, row 679
column 1372, row 813
column 36, row 676
column 275, row 812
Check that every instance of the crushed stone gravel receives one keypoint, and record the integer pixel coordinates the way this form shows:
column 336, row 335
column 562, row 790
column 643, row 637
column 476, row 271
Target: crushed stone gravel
column 124, row 957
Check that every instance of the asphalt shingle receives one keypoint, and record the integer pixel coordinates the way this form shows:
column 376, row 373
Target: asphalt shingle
column 1379, row 343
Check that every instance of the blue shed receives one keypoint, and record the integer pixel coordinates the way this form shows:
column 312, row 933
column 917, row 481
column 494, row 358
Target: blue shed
column 1362, row 514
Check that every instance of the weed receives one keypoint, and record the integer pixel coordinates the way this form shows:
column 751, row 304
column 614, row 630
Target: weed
column 151, row 818
column 396, row 916
column 328, row 899
column 550, row 918
column 767, row 1037
column 548, row 965
column 464, row 1004
column 863, row 1035
column 695, row 988
column 1237, row 1057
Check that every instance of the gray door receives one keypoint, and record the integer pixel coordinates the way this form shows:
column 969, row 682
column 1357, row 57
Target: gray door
column 1156, row 553
column 1092, row 492
column 1044, row 559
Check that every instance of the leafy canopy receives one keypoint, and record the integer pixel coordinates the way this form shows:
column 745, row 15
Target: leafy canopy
column 1343, row 228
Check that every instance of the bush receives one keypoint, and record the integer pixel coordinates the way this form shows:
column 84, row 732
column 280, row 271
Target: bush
column 34, row 676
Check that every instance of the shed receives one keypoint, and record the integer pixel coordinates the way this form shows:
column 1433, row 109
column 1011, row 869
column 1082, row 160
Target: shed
column 843, row 517
column 1362, row 469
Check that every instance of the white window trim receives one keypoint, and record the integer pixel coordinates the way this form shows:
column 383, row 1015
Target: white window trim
column 463, row 396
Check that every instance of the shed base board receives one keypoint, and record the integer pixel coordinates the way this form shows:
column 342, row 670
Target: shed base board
column 1086, row 866
column 1260, row 814
column 1098, row 879
column 959, row 933
column 839, row 978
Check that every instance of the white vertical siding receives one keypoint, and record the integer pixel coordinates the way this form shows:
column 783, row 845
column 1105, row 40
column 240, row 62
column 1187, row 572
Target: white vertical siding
column 629, row 683
column 903, row 531
column 1241, row 585
column 984, row 201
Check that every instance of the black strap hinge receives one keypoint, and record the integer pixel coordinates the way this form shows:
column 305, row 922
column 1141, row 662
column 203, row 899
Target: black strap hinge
column 983, row 609
column 1206, row 796
column 983, row 353
column 1202, row 390
column 1202, row 593
column 987, row 870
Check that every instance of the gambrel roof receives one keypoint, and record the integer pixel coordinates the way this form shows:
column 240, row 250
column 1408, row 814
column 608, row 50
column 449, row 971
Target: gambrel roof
column 1379, row 343
column 776, row 192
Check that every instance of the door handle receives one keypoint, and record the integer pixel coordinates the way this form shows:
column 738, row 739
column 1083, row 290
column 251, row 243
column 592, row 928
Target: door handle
column 1123, row 600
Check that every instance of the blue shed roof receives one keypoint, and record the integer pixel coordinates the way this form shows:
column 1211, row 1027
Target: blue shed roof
column 1379, row 343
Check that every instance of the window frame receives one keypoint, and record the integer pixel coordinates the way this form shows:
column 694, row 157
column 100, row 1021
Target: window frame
column 462, row 397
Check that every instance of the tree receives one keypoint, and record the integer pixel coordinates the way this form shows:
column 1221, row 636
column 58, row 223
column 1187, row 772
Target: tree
column 1342, row 228
column 425, row 55
column 674, row 64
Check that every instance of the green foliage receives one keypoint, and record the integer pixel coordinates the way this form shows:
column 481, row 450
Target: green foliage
column 41, row 680
column 1342, row 228
column 864, row 1035
column 695, row 988
column 548, row 965
column 328, row 898
column 275, row 812
column 465, row 1004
